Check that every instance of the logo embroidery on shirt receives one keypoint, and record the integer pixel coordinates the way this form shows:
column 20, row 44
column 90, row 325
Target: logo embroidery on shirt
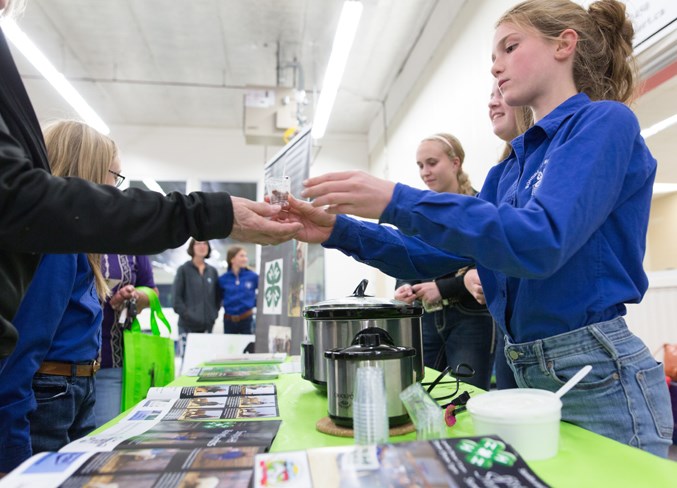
column 535, row 180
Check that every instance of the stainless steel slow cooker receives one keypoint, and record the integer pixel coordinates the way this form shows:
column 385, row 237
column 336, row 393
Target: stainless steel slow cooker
column 334, row 323
column 371, row 347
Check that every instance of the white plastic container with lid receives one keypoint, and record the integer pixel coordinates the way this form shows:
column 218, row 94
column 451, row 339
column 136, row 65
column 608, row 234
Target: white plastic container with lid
column 528, row 419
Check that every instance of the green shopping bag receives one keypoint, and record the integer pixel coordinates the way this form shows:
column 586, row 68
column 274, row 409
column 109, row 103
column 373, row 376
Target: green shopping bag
column 148, row 359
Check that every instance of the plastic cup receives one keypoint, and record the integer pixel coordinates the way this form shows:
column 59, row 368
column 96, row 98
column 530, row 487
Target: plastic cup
column 426, row 414
column 526, row 418
column 370, row 416
column 278, row 189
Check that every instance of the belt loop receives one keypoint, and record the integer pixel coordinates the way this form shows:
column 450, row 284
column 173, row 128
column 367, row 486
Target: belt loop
column 603, row 340
column 540, row 355
column 74, row 370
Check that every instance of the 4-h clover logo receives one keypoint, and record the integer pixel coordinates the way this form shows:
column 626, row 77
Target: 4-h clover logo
column 486, row 453
column 273, row 292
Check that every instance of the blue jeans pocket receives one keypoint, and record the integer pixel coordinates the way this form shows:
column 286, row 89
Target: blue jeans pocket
column 652, row 380
column 50, row 387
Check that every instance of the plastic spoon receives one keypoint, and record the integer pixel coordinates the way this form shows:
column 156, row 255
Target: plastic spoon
column 573, row 381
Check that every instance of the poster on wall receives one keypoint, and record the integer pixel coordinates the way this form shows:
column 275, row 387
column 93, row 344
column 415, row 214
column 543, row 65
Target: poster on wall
column 273, row 275
column 282, row 281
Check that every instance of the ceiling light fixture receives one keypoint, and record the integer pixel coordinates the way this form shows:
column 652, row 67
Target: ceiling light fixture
column 659, row 126
column 23, row 43
column 343, row 41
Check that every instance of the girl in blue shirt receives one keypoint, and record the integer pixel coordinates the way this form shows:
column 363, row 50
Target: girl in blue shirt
column 47, row 388
column 238, row 288
column 559, row 229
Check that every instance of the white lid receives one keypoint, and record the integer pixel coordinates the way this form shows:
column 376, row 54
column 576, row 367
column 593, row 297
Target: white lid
column 517, row 404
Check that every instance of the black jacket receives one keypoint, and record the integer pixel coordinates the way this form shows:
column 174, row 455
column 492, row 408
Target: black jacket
column 196, row 298
column 40, row 213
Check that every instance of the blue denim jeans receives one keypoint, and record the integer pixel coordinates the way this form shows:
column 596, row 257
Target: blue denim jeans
column 505, row 378
column 245, row 326
column 624, row 397
column 108, row 395
column 457, row 334
column 65, row 410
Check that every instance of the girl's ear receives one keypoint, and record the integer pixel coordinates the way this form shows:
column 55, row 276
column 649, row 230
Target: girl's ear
column 566, row 44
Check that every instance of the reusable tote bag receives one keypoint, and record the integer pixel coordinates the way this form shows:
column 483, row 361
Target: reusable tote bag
column 148, row 358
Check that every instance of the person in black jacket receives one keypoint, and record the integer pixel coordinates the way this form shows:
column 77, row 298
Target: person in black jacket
column 196, row 295
column 40, row 213
column 456, row 328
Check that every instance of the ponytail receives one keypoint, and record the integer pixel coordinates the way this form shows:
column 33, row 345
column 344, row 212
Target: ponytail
column 604, row 68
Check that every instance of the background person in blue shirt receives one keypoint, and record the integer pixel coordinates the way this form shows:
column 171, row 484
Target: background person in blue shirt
column 559, row 229
column 47, row 388
column 238, row 286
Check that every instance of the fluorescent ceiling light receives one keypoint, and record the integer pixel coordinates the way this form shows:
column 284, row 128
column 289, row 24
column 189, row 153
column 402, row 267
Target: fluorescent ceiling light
column 656, row 128
column 343, row 41
column 47, row 69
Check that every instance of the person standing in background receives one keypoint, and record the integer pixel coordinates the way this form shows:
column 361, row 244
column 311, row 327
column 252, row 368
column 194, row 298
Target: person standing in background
column 507, row 123
column 238, row 286
column 195, row 293
column 123, row 274
column 456, row 328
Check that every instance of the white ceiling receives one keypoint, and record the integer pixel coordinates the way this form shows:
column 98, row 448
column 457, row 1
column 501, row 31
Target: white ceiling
column 153, row 62
column 188, row 64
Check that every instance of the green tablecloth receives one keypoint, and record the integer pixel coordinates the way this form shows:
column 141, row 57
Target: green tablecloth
column 584, row 459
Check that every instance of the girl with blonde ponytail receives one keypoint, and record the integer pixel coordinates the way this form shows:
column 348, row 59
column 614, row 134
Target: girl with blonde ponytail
column 558, row 231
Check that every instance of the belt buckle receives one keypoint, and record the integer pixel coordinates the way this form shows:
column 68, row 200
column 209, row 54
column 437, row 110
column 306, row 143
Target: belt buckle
column 96, row 366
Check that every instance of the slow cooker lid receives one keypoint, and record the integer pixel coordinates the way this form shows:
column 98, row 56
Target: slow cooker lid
column 359, row 305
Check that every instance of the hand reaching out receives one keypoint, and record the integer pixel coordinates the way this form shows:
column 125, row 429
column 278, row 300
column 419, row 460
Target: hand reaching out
column 317, row 224
column 350, row 192
column 253, row 223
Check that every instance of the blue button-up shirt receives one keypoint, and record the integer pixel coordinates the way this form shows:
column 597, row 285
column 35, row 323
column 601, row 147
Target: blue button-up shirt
column 558, row 231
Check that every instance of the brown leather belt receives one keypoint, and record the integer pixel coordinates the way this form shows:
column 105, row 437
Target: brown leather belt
column 237, row 318
column 69, row 369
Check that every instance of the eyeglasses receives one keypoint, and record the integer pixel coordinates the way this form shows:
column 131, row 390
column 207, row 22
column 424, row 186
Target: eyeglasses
column 119, row 179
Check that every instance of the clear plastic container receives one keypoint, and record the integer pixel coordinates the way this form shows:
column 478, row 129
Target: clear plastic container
column 370, row 416
column 427, row 416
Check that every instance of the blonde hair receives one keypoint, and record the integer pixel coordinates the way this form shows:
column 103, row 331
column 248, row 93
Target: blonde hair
column 453, row 149
column 524, row 119
column 76, row 150
column 604, row 68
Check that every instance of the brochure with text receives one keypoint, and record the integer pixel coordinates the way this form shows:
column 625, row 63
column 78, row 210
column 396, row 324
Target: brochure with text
column 166, row 468
column 173, row 392
column 462, row 462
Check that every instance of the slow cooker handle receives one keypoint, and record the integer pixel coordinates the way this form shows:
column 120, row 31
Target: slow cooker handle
column 359, row 291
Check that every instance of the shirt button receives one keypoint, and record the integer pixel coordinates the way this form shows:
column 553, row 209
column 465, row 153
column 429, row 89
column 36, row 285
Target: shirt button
column 513, row 354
